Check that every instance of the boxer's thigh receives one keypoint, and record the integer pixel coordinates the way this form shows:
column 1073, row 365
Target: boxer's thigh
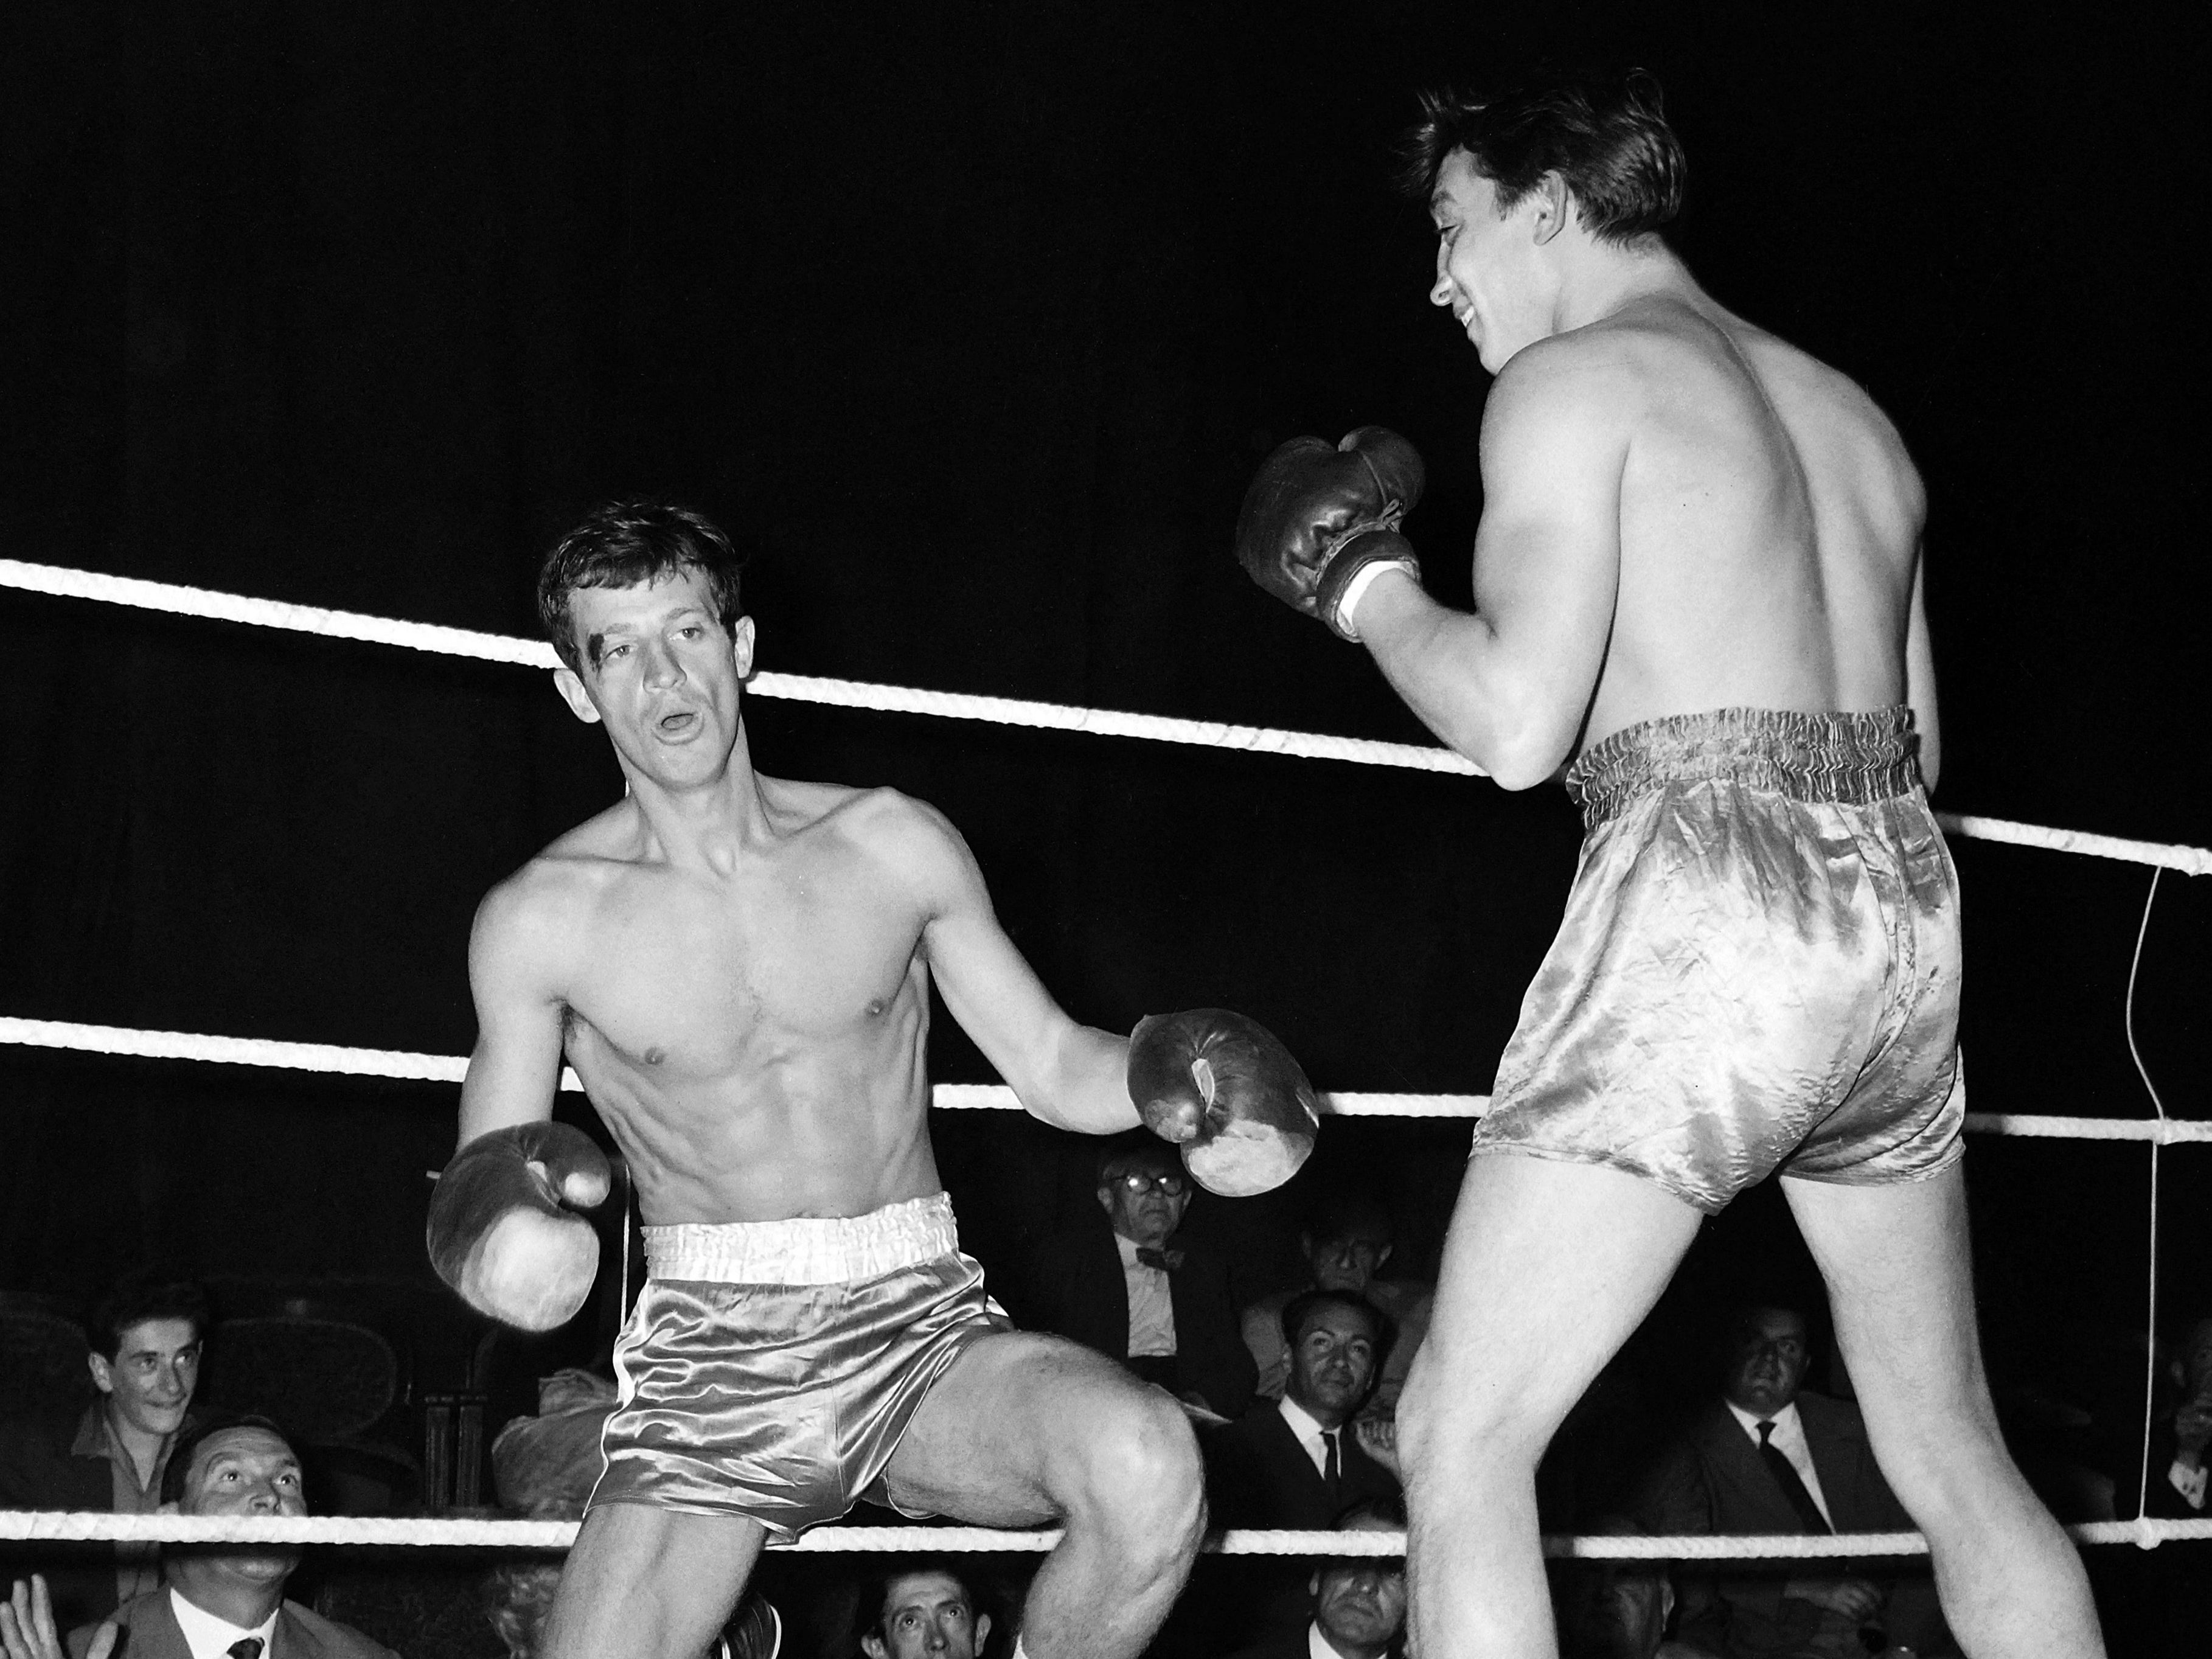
column 1024, row 1429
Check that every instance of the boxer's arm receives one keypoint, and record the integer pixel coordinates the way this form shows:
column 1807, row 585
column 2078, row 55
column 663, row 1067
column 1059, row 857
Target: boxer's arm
column 1920, row 679
column 1069, row 1075
column 514, row 1070
column 1507, row 685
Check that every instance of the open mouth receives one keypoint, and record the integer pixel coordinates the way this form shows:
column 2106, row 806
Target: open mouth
column 681, row 724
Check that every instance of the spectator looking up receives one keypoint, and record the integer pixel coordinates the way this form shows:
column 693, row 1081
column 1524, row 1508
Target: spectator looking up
column 1139, row 1294
column 1346, row 1243
column 146, row 1336
column 1769, row 1457
column 928, row 1612
column 221, row 1597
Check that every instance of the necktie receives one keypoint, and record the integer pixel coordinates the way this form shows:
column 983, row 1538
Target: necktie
column 1785, row 1476
column 1166, row 1260
column 1331, row 1474
column 247, row 1647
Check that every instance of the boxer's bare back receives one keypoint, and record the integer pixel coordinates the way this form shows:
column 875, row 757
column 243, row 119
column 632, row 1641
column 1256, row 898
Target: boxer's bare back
column 1682, row 514
column 1681, row 511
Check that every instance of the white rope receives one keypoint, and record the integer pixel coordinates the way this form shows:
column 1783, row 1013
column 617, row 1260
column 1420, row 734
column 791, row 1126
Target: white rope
column 2190, row 860
column 323, row 1057
column 50, row 1526
column 61, row 582
column 804, row 687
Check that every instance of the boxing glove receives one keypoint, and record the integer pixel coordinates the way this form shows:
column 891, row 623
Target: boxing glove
column 1319, row 523
column 1222, row 1088
column 503, row 1229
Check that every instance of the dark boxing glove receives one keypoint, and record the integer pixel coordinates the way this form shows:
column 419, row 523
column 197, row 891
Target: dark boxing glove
column 503, row 1228
column 1222, row 1088
column 1319, row 523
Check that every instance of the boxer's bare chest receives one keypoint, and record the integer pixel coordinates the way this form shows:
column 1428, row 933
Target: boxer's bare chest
column 803, row 959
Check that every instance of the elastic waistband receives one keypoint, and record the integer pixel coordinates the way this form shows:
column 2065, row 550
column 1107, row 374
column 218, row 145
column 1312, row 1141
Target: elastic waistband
column 1854, row 757
column 809, row 1250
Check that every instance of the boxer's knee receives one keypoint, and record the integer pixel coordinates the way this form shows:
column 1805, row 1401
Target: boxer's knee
column 1134, row 1476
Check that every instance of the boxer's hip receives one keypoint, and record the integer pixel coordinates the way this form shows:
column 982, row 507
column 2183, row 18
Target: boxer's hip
column 1759, row 966
column 782, row 1397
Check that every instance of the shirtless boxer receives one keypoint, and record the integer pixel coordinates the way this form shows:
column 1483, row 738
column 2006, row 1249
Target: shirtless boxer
column 738, row 968
column 1696, row 578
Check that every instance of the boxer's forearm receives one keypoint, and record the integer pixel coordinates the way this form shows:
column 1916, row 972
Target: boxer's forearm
column 1455, row 672
column 1085, row 1086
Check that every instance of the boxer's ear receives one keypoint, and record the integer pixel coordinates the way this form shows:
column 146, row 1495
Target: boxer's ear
column 743, row 638
column 1554, row 206
column 983, row 1630
column 570, row 685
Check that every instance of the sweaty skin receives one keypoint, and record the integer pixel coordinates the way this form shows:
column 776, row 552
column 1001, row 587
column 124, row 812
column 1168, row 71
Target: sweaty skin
column 1680, row 513
column 738, row 966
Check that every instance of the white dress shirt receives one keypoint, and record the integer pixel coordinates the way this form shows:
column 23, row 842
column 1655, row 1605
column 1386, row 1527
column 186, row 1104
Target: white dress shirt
column 1309, row 1432
column 1152, row 1307
column 1788, row 1438
column 210, row 1638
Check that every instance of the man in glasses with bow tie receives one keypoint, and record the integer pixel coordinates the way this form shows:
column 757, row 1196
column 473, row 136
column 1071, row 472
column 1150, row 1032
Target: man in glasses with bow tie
column 1159, row 1304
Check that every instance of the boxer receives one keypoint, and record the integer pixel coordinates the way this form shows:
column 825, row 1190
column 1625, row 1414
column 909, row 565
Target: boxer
column 1697, row 579
column 738, row 967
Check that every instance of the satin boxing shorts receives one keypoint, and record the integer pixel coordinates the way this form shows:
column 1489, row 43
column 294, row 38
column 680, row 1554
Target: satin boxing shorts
column 1759, row 969
column 769, row 1369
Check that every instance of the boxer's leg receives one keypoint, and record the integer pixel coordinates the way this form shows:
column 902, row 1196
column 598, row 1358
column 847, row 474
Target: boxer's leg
column 1901, row 1292
column 1548, row 1268
column 649, row 1582
column 1026, row 1428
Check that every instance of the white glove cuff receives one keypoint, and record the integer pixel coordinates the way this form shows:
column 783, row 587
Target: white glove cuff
column 1347, row 604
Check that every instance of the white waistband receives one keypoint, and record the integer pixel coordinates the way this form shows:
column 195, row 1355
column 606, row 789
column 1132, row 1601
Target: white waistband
column 806, row 1250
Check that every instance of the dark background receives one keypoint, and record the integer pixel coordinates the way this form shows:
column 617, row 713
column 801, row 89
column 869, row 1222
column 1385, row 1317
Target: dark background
column 972, row 321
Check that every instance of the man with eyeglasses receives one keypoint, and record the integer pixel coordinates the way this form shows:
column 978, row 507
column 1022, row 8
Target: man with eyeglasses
column 1769, row 1456
column 1159, row 1304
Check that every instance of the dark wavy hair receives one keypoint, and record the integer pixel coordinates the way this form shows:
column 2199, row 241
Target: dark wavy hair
column 1606, row 135
column 139, row 1297
column 1303, row 1306
column 623, row 543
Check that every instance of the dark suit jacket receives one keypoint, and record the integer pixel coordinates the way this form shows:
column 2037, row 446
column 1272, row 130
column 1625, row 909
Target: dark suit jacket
column 1286, row 1644
column 37, row 1471
column 1076, row 1289
column 1713, row 1481
column 150, row 1630
column 1258, row 1475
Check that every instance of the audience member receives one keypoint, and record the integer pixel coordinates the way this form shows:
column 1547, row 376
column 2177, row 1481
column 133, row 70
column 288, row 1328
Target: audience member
column 544, row 1467
column 1135, row 1291
column 146, row 1334
column 1615, row 1609
column 1358, row 1601
column 923, row 1611
column 1296, row 1463
column 226, row 1599
column 1346, row 1241
column 1769, row 1457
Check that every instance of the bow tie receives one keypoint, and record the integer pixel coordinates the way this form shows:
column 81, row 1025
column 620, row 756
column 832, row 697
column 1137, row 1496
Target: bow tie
column 1167, row 1261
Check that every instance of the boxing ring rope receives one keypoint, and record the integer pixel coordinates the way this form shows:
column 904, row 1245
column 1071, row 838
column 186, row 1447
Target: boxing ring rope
column 323, row 1057
column 58, row 1526
column 175, row 600
column 60, row 582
